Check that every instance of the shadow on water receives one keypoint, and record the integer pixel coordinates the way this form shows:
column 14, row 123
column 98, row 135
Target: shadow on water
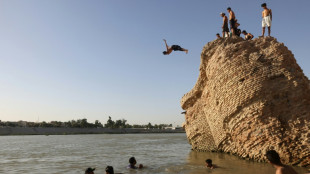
column 226, row 164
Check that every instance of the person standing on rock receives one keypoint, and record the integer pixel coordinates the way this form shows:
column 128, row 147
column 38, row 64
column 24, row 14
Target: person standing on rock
column 225, row 29
column 274, row 159
column 218, row 36
column 173, row 48
column 266, row 19
column 232, row 21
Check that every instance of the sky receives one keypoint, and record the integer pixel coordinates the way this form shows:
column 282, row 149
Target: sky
column 73, row 59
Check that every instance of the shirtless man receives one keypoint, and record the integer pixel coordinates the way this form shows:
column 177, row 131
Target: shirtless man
column 266, row 18
column 225, row 25
column 274, row 160
column 247, row 36
column 173, row 48
column 232, row 20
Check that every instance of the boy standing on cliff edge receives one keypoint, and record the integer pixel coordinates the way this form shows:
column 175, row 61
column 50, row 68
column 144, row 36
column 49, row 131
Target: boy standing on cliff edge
column 266, row 18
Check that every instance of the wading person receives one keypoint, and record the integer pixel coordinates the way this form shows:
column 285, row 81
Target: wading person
column 109, row 170
column 274, row 159
column 209, row 164
column 132, row 164
column 266, row 19
column 225, row 29
column 90, row 171
column 173, row 48
column 232, row 21
column 247, row 36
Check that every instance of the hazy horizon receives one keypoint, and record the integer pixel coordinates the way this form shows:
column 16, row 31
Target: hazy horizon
column 73, row 59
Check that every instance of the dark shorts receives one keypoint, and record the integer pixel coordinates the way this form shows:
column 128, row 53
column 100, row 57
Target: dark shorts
column 176, row 48
column 232, row 24
column 225, row 28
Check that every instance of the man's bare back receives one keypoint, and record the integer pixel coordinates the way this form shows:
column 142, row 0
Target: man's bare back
column 285, row 170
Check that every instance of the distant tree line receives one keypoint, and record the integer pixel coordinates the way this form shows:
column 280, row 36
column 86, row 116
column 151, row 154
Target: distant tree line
column 82, row 123
column 123, row 124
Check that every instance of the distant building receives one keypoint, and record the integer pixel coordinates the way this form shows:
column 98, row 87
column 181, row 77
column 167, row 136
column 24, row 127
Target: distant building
column 174, row 128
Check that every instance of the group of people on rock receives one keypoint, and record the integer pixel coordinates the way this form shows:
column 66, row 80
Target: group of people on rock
column 233, row 22
column 110, row 170
column 273, row 158
column 234, row 30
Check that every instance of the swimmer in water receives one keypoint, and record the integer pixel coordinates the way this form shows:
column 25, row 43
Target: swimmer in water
column 132, row 164
column 210, row 165
column 274, row 159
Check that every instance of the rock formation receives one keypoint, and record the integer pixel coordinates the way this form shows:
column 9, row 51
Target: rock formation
column 251, row 96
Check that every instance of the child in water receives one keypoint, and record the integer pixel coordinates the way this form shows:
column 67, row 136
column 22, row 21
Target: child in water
column 132, row 164
column 210, row 165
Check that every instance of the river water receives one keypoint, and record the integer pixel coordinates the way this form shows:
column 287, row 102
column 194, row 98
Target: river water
column 159, row 153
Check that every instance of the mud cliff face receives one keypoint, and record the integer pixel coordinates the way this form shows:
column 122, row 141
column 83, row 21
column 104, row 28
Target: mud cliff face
column 251, row 96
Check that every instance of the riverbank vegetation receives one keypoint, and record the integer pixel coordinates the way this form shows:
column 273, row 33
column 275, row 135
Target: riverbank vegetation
column 83, row 123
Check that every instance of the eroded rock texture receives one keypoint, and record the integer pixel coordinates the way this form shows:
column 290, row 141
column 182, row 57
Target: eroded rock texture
column 251, row 96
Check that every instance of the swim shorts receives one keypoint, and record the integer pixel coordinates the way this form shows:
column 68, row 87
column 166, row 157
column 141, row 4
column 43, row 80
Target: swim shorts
column 176, row 48
column 225, row 28
column 232, row 23
column 266, row 21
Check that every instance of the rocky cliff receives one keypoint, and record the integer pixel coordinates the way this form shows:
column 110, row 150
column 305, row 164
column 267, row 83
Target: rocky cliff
column 251, row 96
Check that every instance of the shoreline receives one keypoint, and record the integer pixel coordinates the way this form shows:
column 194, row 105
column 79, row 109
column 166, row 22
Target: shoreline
column 7, row 131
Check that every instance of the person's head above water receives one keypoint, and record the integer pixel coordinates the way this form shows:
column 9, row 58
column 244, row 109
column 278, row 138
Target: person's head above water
column 273, row 157
column 209, row 162
column 109, row 170
column 165, row 52
column 89, row 170
column 132, row 161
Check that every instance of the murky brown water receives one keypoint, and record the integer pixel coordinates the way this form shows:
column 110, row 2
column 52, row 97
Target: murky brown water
column 160, row 153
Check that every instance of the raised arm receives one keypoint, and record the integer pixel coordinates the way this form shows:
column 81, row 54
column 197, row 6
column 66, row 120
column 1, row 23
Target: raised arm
column 166, row 44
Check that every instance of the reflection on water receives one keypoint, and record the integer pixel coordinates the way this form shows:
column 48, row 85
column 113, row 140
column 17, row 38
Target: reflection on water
column 160, row 153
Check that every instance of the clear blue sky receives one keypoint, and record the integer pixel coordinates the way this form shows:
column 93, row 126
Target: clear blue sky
column 71, row 59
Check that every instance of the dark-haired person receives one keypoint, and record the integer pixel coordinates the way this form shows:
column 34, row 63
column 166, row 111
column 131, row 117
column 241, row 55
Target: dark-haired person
column 266, row 19
column 209, row 164
column 90, row 170
column 225, row 29
column 173, row 48
column 218, row 36
column 232, row 21
column 132, row 164
column 109, row 170
column 247, row 36
column 274, row 159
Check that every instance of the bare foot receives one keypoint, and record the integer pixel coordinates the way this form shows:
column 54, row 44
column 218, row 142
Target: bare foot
column 186, row 51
